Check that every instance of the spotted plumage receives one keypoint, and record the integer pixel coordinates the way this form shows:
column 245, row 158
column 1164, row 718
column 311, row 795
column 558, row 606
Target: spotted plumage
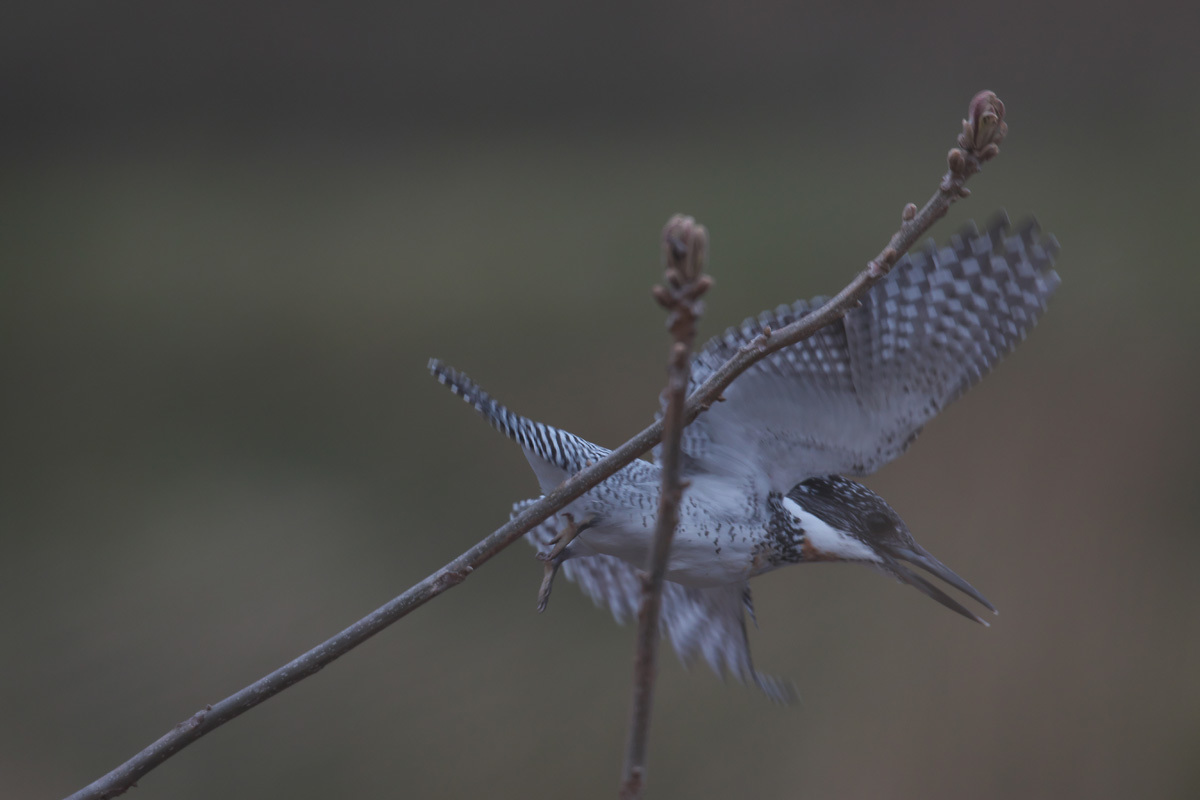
column 765, row 467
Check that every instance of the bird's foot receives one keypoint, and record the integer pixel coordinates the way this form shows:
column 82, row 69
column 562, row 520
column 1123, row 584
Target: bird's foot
column 552, row 565
column 564, row 538
column 558, row 554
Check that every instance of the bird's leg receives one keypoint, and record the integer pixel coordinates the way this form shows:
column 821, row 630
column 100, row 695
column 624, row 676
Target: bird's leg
column 558, row 554
column 552, row 565
column 564, row 537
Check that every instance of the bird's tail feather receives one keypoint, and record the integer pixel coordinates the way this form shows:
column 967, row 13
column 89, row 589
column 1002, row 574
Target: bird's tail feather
column 706, row 622
column 558, row 453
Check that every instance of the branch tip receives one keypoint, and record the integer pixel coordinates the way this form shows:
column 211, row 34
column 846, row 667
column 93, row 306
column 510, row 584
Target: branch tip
column 984, row 124
column 685, row 249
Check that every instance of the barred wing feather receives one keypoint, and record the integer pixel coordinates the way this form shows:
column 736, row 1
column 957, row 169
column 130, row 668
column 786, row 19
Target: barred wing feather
column 851, row 398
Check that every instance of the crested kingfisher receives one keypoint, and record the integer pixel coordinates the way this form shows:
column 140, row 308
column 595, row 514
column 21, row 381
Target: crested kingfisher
column 766, row 467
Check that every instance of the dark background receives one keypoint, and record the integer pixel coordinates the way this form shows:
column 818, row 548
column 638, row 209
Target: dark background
column 232, row 235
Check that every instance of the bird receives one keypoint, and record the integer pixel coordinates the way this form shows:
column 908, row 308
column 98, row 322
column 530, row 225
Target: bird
column 770, row 468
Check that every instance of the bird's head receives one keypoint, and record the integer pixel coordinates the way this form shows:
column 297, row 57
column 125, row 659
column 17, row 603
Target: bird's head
column 845, row 521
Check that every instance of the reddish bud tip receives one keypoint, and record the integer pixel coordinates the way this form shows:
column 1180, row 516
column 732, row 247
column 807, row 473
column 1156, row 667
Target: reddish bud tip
column 984, row 124
column 685, row 246
column 956, row 160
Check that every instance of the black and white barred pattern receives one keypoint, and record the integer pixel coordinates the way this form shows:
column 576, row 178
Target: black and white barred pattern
column 846, row 401
column 564, row 450
column 852, row 397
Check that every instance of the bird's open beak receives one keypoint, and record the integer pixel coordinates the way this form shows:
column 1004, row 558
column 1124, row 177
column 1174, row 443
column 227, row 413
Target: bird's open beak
column 919, row 558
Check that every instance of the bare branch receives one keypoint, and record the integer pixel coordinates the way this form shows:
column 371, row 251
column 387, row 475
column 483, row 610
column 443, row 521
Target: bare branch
column 685, row 245
column 983, row 131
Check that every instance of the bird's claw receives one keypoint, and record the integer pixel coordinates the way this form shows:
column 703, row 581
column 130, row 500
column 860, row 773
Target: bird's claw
column 563, row 539
column 556, row 555
column 547, row 581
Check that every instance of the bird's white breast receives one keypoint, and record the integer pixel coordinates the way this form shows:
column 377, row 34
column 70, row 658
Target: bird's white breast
column 710, row 548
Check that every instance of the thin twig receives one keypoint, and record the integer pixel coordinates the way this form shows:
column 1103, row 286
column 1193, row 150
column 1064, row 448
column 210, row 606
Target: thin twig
column 685, row 246
column 982, row 133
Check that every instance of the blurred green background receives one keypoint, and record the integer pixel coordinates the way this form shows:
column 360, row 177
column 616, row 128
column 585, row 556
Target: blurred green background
column 231, row 236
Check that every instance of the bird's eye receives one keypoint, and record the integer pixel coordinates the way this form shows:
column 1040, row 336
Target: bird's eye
column 878, row 522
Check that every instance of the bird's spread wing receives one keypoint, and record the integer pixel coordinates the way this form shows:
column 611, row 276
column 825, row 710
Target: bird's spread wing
column 708, row 622
column 851, row 398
